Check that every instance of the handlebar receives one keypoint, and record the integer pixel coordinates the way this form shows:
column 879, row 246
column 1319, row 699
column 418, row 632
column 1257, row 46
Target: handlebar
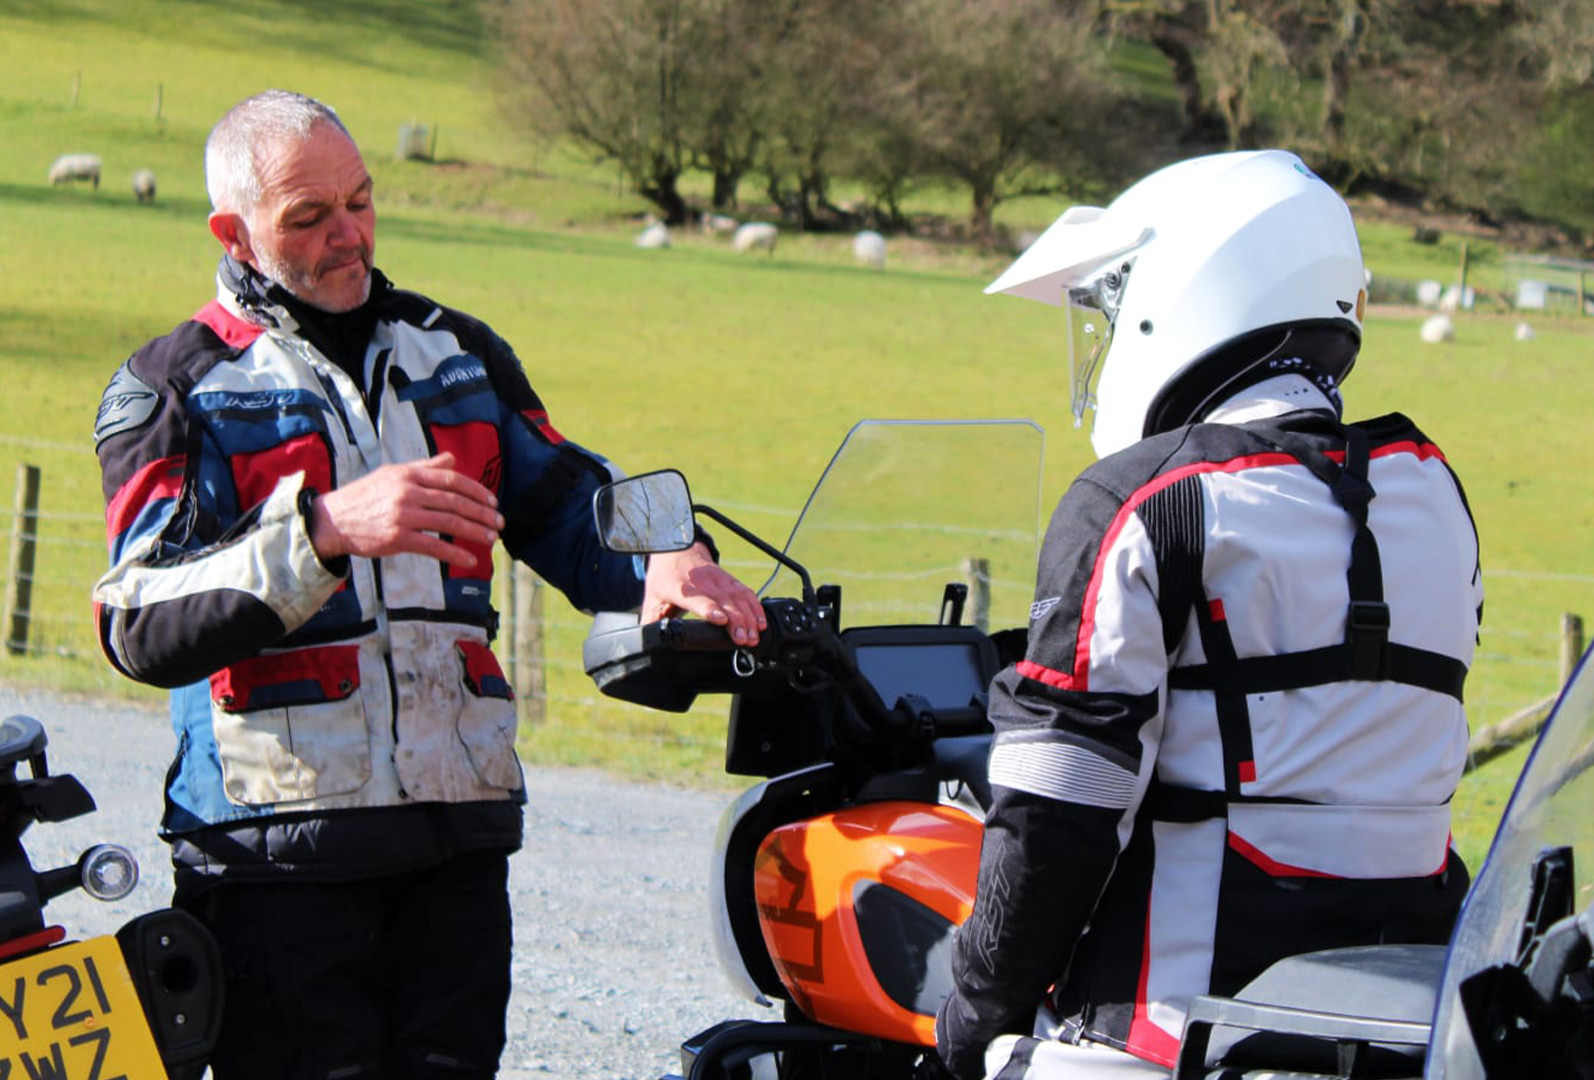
column 694, row 635
column 969, row 720
column 667, row 663
column 105, row 871
column 791, row 628
column 22, row 738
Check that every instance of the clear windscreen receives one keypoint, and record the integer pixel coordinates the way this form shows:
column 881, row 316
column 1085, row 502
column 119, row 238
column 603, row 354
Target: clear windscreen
column 1553, row 806
column 907, row 507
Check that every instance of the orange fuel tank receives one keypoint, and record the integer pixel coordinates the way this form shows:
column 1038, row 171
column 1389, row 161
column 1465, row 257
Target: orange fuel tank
column 858, row 908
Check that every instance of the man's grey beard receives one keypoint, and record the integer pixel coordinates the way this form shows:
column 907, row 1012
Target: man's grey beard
column 298, row 285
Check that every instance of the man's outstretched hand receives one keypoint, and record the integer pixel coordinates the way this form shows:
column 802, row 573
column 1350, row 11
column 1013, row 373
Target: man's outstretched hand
column 691, row 581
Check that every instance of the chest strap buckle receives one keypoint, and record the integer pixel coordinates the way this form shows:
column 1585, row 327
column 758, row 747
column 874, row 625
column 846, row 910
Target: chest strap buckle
column 1366, row 633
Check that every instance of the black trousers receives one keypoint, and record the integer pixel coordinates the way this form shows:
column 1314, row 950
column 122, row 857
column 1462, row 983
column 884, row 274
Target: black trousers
column 396, row 978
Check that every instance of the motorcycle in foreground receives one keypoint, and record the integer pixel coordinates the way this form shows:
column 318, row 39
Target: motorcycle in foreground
column 143, row 1004
column 839, row 880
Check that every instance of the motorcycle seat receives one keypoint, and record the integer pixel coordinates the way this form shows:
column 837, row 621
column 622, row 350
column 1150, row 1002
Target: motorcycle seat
column 1293, row 1017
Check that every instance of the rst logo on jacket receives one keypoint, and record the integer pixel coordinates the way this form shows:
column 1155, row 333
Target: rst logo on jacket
column 128, row 402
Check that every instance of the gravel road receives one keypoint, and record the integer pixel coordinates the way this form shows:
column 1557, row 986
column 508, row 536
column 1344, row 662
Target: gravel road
column 613, row 962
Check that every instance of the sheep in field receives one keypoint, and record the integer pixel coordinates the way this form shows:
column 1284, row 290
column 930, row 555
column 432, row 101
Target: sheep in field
column 1436, row 329
column 656, row 235
column 69, row 167
column 755, row 234
column 144, row 186
column 869, row 248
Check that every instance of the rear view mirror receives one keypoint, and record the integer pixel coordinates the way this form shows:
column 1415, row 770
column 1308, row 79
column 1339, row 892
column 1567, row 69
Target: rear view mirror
column 646, row 513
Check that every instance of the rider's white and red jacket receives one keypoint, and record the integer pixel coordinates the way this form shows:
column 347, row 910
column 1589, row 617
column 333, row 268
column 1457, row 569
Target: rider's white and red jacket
column 332, row 720
column 1237, row 728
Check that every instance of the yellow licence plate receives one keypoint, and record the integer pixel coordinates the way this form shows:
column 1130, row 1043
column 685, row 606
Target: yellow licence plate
column 71, row 1013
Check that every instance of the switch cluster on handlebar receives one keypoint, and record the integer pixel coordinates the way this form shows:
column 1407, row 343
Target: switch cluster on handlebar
column 790, row 619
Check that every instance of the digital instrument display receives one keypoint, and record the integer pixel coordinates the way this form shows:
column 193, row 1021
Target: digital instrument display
column 946, row 674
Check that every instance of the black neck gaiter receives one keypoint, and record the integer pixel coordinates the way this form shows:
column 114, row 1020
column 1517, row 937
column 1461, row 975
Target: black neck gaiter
column 341, row 337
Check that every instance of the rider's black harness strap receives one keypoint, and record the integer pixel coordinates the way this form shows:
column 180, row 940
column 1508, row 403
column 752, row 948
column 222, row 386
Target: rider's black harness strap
column 1365, row 654
column 1187, row 805
column 1183, row 805
column 1329, row 664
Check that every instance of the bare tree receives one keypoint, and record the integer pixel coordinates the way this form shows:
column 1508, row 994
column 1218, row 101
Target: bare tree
column 1451, row 99
column 888, row 153
column 1434, row 96
column 1409, row 96
column 1180, row 31
column 1015, row 96
column 1242, row 45
column 750, row 47
column 621, row 77
column 822, row 71
column 725, row 132
column 1558, row 37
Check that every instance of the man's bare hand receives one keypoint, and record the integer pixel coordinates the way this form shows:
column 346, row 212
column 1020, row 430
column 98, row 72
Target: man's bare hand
column 691, row 581
column 406, row 508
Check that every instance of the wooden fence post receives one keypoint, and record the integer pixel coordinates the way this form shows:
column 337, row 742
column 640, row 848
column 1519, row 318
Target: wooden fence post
column 24, row 542
column 504, row 574
column 977, row 573
column 1571, row 644
column 1490, row 742
column 528, row 676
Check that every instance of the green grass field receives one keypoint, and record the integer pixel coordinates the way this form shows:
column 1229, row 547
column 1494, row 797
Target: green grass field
column 743, row 371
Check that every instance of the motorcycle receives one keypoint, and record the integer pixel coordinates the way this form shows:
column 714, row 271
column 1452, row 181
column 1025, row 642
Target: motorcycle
column 144, row 1004
column 839, row 879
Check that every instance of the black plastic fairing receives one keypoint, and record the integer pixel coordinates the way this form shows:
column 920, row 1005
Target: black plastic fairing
column 909, row 946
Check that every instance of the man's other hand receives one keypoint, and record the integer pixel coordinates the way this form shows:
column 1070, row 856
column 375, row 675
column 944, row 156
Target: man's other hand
column 406, row 508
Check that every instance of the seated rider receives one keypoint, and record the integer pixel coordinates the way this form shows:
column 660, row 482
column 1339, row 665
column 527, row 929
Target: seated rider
column 1238, row 725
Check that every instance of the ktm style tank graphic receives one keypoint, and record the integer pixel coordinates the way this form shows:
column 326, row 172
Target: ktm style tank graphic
column 858, row 908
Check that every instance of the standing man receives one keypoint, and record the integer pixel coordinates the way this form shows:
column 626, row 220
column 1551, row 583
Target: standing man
column 1238, row 725
column 304, row 484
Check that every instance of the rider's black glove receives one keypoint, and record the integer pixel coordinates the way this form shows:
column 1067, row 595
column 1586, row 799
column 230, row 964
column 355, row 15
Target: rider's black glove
column 959, row 1044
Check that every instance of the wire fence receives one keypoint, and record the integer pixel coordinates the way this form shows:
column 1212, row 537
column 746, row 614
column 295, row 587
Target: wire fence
column 1520, row 659
column 1528, row 285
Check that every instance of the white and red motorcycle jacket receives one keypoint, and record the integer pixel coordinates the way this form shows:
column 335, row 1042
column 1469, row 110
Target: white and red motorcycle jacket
column 1237, row 728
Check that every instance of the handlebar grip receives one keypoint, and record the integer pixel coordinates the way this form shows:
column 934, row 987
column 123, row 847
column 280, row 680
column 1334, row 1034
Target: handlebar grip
column 694, row 635
column 968, row 720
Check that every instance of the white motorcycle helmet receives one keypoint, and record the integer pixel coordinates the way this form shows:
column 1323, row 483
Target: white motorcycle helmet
column 1191, row 281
